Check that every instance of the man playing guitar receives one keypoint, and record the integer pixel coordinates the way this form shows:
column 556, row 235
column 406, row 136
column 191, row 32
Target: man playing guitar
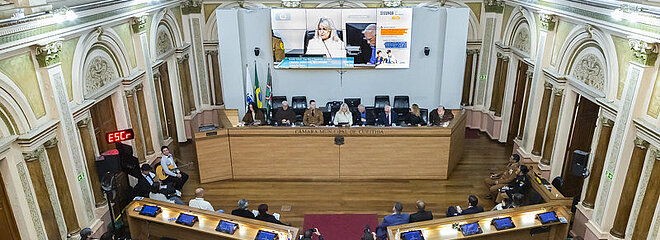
column 171, row 172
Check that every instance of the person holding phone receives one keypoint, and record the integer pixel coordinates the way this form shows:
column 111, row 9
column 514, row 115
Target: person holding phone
column 309, row 233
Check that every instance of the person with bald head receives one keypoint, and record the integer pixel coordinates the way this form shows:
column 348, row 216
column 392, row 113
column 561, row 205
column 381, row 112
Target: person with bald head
column 421, row 214
column 440, row 116
column 199, row 202
column 285, row 115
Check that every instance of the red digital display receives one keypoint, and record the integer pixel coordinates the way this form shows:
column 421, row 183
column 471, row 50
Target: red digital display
column 118, row 136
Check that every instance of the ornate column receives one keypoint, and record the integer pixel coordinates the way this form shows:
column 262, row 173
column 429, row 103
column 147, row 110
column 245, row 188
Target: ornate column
column 64, row 193
column 192, row 14
column 467, row 77
column 139, row 25
column 543, row 117
column 496, row 80
column 186, row 85
column 135, row 124
column 552, row 125
column 501, row 85
column 650, row 201
column 630, row 187
column 50, row 71
column 161, row 109
column 492, row 22
column 641, row 75
column 214, row 74
column 144, row 119
column 523, row 116
column 599, row 161
column 86, row 137
column 33, row 162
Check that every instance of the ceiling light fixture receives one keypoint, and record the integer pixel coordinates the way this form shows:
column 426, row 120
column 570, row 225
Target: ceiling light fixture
column 627, row 12
column 64, row 14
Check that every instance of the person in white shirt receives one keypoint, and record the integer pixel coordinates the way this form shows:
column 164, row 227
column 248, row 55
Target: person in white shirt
column 175, row 177
column 343, row 116
column 326, row 40
column 199, row 202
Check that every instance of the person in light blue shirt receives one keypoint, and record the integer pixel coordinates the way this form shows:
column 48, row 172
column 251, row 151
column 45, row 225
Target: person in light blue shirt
column 397, row 218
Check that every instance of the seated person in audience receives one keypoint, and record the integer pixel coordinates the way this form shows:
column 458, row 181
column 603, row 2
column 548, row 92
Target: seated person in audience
column 362, row 117
column 254, row 115
column 517, row 200
column 472, row 206
column 313, row 116
column 440, row 116
column 387, row 117
column 164, row 193
column 519, row 185
column 242, row 210
column 199, row 202
column 452, row 211
column 397, row 218
column 175, row 177
column 505, row 204
column 495, row 185
column 414, row 117
column 507, row 175
column 264, row 216
column 311, row 232
column 145, row 182
column 343, row 116
column 421, row 214
column 284, row 116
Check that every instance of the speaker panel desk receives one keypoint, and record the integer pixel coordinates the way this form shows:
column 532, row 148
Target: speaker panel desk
column 524, row 218
column 330, row 153
column 163, row 225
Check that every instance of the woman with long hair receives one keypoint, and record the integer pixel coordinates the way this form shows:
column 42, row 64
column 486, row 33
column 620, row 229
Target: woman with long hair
column 343, row 116
column 326, row 40
column 414, row 116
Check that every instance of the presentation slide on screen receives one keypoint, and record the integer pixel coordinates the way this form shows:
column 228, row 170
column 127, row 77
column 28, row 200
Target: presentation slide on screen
column 341, row 38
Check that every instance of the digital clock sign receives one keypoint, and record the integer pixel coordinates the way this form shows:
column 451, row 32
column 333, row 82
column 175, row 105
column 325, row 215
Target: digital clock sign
column 118, row 136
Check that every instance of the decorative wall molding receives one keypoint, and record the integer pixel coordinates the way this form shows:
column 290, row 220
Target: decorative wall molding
column 548, row 21
column 643, row 52
column 34, row 155
column 589, row 68
column 647, row 131
column 291, row 3
column 99, row 70
column 139, row 24
column 494, row 6
column 48, row 54
column 191, row 6
column 37, row 136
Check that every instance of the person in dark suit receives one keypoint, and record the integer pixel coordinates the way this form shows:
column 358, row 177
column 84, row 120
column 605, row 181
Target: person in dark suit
column 264, row 216
column 362, row 117
column 421, row 214
column 145, row 182
column 414, row 117
column 254, row 115
column 242, row 210
column 285, row 116
column 472, row 207
column 387, row 117
column 440, row 116
column 397, row 218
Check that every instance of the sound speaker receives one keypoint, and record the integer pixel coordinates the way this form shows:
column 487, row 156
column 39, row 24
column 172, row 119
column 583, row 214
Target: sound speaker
column 579, row 164
column 109, row 162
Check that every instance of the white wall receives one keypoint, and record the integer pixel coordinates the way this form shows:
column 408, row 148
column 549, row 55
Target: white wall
column 430, row 80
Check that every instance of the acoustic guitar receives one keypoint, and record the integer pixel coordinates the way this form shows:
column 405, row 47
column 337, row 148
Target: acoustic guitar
column 161, row 174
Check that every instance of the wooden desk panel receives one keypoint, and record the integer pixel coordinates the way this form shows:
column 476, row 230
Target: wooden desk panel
column 524, row 218
column 145, row 227
column 394, row 158
column 267, row 157
column 268, row 152
column 213, row 156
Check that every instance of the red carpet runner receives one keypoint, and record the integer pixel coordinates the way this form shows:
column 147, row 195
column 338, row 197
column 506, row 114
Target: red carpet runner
column 340, row 226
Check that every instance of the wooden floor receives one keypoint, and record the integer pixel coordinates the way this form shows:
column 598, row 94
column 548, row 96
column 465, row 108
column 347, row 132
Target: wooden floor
column 358, row 197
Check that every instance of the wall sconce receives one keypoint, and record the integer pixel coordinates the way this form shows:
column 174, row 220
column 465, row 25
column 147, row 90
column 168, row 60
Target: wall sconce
column 427, row 51
column 256, row 51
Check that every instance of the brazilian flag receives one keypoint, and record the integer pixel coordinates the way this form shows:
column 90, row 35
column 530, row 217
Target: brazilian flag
column 257, row 89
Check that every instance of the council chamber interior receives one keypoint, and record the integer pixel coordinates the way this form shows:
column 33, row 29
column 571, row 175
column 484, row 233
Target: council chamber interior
column 336, row 120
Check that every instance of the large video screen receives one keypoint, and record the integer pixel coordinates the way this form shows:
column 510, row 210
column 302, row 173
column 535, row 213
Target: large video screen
column 341, row 38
